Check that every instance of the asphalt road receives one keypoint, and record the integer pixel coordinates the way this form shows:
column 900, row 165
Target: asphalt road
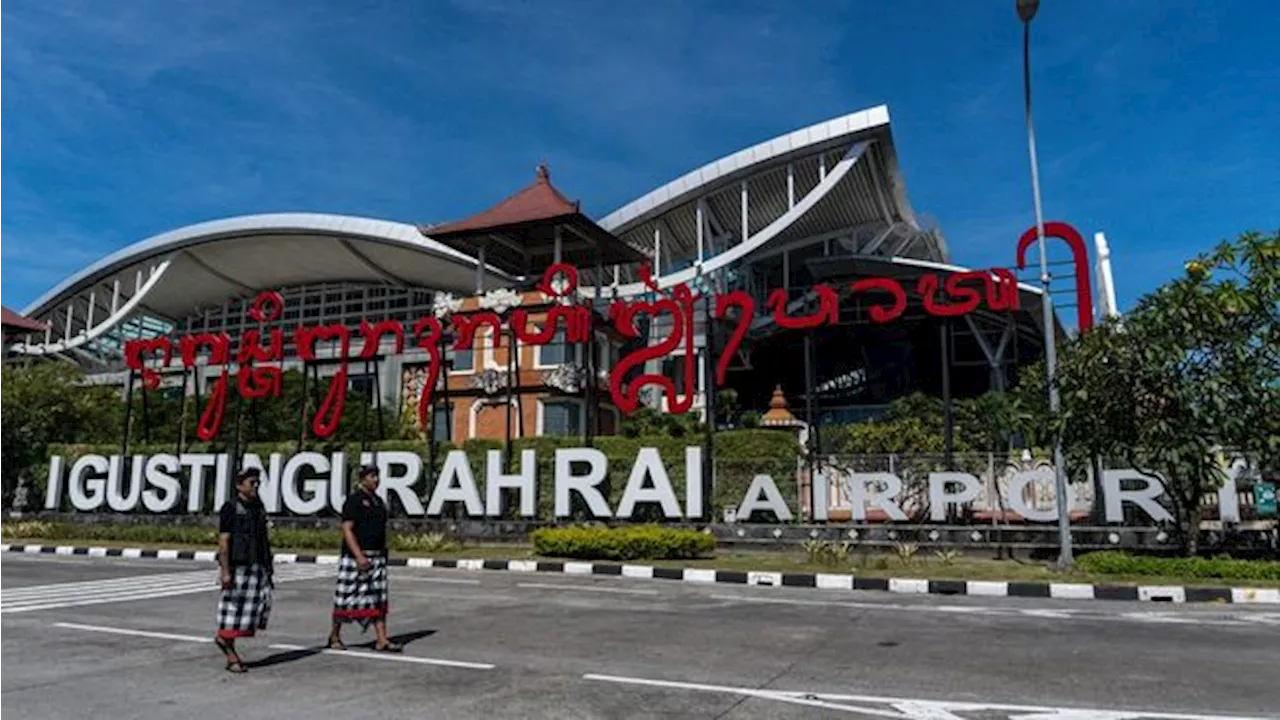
column 97, row 637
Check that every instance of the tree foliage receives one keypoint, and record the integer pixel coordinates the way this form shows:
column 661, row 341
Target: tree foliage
column 647, row 422
column 43, row 404
column 1194, row 369
column 993, row 422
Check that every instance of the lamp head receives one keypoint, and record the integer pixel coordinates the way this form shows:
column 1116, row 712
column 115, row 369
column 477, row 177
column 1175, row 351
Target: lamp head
column 1027, row 9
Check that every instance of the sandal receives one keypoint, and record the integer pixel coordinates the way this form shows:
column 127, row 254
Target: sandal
column 335, row 643
column 235, row 664
column 390, row 647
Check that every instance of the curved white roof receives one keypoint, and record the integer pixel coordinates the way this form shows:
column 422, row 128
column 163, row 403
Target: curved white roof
column 178, row 272
column 837, row 180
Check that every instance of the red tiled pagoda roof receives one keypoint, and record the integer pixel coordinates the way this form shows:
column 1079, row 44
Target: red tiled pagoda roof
column 518, row 234
column 535, row 202
column 16, row 322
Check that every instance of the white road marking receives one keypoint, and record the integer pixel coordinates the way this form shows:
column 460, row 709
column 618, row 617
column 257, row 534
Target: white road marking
column 279, row 646
column 389, row 657
column 136, row 633
column 810, row 701
column 446, row 581
column 134, row 581
column 914, row 708
column 133, row 588
column 587, row 588
column 1191, row 618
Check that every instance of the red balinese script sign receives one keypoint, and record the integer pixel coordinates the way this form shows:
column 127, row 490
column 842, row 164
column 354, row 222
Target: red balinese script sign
column 951, row 295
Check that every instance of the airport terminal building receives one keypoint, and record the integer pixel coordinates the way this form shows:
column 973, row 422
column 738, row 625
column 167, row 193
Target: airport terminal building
column 826, row 204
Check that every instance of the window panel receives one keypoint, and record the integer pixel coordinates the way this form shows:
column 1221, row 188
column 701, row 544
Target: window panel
column 561, row 418
column 440, row 424
column 463, row 360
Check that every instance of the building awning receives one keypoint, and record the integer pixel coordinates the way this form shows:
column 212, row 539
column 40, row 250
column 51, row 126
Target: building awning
column 518, row 235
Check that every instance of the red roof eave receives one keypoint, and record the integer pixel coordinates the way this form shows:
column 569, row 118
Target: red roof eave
column 16, row 321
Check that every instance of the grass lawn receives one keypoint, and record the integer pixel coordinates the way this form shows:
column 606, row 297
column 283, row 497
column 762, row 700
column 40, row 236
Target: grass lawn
column 876, row 565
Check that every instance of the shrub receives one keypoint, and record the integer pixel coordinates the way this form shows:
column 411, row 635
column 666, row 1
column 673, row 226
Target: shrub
column 1115, row 562
column 650, row 542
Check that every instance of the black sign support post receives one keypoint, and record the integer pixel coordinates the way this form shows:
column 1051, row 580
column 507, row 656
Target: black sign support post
column 944, row 337
column 709, row 431
column 812, row 450
column 128, row 416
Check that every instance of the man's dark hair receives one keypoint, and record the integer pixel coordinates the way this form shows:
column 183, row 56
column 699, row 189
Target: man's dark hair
column 247, row 474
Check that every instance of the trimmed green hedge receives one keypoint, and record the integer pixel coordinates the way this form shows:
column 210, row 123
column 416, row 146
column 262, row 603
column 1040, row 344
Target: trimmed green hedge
column 634, row 542
column 740, row 455
column 1115, row 562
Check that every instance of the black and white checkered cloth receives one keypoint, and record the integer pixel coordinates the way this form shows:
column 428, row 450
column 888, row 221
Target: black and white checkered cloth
column 245, row 607
column 362, row 597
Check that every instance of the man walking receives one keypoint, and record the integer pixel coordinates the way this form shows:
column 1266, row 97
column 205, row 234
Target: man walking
column 244, row 555
column 362, row 591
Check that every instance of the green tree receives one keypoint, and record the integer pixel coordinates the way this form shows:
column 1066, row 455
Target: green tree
column 1195, row 368
column 47, row 402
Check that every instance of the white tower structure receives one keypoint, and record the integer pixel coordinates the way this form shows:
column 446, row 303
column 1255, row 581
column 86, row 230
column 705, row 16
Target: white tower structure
column 1105, row 307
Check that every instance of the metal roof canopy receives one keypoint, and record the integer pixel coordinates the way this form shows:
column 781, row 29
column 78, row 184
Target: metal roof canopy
column 174, row 274
column 519, row 235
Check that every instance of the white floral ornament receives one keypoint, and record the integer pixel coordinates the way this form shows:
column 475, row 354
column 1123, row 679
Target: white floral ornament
column 933, row 535
column 490, row 381
column 853, row 534
column 445, row 304
column 501, row 300
column 975, row 536
column 567, row 378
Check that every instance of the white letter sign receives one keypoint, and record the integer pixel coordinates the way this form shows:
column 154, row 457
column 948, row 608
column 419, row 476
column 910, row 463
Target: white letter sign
column 584, row 485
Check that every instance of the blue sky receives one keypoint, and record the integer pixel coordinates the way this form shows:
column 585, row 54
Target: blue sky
column 1158, row 120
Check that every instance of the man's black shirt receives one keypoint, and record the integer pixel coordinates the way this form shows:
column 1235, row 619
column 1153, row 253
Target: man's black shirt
column 368, row 515
column 246, row 523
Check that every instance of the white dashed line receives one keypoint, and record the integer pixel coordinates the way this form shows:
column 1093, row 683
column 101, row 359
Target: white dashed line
column 134, row 633
column 388, row 657
column 414, row 659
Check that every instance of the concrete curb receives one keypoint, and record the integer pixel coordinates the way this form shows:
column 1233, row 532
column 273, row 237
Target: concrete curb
column 828, row 581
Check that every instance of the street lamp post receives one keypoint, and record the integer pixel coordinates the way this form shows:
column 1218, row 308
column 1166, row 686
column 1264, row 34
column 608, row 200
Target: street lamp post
column 1026, row 12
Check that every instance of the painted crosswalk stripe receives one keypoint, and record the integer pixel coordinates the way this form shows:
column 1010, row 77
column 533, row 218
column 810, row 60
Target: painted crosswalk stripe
column 127, row 589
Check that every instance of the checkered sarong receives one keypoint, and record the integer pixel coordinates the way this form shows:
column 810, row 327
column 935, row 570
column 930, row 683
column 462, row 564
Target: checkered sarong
column 244, row 607
column 361, row 597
